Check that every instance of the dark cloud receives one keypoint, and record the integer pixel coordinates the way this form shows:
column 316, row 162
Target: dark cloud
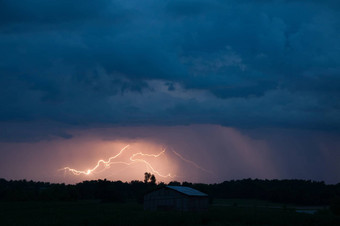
column 18, row 132
column 189, row 8
column 54, row 11
column 235, row 63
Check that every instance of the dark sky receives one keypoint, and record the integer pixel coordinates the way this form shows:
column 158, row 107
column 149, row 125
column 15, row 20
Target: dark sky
column 246, row 88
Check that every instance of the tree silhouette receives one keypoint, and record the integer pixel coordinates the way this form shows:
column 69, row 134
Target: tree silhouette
column 153, row 179
column 301, row 192
column 149, row 178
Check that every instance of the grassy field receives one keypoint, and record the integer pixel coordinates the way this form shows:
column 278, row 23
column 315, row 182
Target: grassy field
column 245, row 202
column 263, row 204
column 97, row 213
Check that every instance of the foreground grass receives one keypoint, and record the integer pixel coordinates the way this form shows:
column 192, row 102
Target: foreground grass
column 97, row 213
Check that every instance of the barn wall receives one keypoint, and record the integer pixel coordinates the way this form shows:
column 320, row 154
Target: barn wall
column 198, row 203
column 167, row 199
column 163, row 199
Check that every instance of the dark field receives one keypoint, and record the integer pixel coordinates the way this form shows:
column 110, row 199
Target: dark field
column 97, row 213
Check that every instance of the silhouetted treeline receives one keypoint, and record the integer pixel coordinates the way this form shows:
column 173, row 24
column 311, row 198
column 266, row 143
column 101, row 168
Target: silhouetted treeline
column 301, row 192
column 107, row 191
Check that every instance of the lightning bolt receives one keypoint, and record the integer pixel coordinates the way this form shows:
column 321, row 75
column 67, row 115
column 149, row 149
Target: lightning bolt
column 110, row 161
column 148, row 164
column 192, row 163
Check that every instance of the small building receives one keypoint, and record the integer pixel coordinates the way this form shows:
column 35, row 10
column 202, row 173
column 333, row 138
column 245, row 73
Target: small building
column 176, row 198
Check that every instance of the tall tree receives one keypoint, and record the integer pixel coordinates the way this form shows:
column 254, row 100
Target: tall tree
column 153, row 179
column 147, row 177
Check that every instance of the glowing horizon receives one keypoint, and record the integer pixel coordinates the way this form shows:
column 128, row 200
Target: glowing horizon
column 198, row 154
column 152, row 161
column 132, row 159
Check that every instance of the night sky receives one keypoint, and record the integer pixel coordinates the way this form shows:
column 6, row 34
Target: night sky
column 220, row 89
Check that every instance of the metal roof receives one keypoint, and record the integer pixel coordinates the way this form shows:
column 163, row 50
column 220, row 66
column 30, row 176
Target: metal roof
column 187, row 190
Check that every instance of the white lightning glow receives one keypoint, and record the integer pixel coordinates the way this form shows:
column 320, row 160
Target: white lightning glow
column 192, row 163
column 134, row 158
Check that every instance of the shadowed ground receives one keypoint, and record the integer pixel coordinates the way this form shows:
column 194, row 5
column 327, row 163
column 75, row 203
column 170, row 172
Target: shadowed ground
column 98, row 213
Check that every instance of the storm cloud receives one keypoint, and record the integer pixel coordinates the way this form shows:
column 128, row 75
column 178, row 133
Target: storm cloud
column 249, row 88
column 233, row 63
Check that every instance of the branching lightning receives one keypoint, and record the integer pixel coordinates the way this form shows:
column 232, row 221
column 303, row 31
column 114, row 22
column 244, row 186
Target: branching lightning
column 148, row 164
column 133, row 159
column 191, row 162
